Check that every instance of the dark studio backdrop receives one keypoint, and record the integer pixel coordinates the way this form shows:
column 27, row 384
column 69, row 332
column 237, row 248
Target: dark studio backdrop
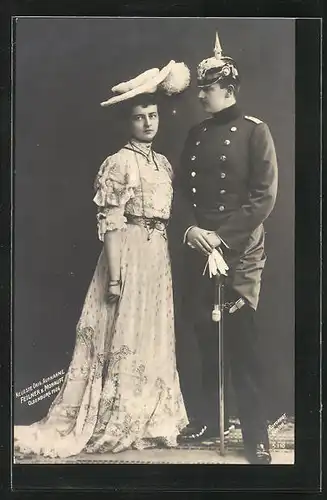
column 64, row 68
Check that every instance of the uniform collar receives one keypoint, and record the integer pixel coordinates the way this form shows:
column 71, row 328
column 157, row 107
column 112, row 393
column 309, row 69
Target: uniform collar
column 227, row 114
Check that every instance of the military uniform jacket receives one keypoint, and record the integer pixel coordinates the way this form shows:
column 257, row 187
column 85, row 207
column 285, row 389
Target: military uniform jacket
column 227, row 182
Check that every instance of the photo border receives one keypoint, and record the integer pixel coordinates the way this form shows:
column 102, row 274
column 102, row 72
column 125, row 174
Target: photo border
column 306, row 474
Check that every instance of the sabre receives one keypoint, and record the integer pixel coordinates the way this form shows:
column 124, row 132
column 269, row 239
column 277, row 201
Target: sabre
column 217, row 317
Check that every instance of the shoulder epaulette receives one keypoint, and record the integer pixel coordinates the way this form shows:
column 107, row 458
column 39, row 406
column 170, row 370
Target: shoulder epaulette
column 253, row 119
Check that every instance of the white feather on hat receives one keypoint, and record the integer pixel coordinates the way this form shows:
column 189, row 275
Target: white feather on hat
column 121, row 88
column 172, row 79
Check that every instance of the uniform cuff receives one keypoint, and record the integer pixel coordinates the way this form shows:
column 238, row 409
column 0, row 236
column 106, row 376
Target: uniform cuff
column 185, row 236
column 223, row 242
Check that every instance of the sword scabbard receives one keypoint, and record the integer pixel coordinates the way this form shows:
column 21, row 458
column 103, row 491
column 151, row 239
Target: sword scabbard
column 219, row 300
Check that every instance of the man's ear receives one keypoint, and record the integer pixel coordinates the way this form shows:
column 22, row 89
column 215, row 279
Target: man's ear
column 230, row 90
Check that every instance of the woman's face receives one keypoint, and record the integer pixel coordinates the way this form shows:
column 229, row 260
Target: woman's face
column 144, row 122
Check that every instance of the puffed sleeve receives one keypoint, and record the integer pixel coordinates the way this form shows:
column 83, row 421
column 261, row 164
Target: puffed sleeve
column 167, row 166
column 114, row 186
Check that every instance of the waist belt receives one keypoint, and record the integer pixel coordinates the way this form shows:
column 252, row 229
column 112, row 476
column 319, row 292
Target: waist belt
column 149, row 223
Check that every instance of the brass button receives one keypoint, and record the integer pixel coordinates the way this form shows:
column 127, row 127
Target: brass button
column 193, row 174
column 233, row 129
column 193, row 158
column 223, row 158
column 221, row 208
column 227, row 142
column 194, row 205
column 223, row 175
column 197, row 143
column 194, row 190
column 222, row 191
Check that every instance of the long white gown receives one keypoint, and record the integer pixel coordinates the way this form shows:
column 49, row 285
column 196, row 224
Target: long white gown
column 122, row 387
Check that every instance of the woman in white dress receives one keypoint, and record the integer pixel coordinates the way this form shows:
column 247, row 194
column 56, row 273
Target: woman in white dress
column 122, row 387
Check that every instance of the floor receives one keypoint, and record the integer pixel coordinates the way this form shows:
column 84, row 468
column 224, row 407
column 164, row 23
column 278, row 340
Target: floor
column 162, row 456
column 206, row 452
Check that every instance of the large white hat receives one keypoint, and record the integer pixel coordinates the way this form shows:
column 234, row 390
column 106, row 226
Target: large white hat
column 173, row 78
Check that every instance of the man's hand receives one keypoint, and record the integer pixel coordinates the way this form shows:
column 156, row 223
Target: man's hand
column 202, row 240
column 214, row 239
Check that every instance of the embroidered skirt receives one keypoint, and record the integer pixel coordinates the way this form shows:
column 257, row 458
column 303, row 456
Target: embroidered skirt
column 122, row 387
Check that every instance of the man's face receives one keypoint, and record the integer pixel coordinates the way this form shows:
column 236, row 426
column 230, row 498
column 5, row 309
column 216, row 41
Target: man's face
column 144, row 122
column 213, row 98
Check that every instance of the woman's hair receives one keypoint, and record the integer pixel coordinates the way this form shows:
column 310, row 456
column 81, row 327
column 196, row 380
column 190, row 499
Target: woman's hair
column 121, row 113
column 143, row 100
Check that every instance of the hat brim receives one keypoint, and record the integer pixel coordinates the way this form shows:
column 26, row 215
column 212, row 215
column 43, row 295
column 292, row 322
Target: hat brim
column 147, row 87
column 203, row 85
column 121, row 88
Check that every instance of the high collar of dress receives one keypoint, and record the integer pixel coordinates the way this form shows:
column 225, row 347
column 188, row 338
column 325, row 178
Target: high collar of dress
column 141, row 147
column 226, row 115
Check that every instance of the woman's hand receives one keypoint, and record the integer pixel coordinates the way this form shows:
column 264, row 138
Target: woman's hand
column 114, row 293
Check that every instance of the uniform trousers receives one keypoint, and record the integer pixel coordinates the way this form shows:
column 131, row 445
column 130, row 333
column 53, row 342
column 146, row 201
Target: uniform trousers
column 243, row 362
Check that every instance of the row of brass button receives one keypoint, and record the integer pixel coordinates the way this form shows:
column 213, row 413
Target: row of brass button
column 226, row 142
column 222, row 174
column 233, row 129
column 222, row 191
column 221, row 208
column 221, row 158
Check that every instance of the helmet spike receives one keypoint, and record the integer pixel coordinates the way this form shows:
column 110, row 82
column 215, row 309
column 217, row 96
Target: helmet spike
column 217, row 50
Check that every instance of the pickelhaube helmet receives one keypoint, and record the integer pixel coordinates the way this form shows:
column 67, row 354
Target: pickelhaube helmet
column 218, row 68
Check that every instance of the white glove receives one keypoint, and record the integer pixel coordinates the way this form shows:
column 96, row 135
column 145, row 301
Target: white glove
column 216, row 264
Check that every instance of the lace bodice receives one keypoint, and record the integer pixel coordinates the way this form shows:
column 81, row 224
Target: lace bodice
column 134, row 181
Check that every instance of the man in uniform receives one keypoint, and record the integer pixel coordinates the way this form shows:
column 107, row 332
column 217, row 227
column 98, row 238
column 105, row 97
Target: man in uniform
column 226, row 187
